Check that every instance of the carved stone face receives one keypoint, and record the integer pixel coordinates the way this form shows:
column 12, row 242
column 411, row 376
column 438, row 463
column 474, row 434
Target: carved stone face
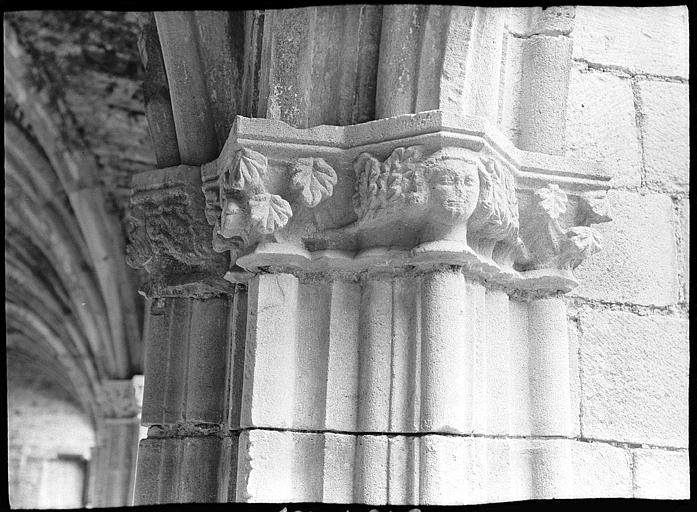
column 232, row 219
column 454, row 187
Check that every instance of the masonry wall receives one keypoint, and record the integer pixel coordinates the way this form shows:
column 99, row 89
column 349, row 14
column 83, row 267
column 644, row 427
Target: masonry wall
column 628, row 320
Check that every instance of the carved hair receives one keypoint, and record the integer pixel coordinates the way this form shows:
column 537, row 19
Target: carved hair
column 397, row 181
column 496, row 215
column 403, row 180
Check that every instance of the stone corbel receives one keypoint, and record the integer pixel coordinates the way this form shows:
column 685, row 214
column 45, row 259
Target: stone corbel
column 401, row 194
column 121, row 398
column 168, row 235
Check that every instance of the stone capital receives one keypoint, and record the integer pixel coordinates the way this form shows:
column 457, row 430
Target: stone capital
column 399, row 195
column 169, row 237
column 396, row 195
column 122, row 398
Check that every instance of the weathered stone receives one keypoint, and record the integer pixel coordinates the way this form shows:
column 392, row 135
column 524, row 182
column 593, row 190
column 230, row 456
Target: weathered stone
column 512, row 76
column 93, row 63
column 269, row 388
column 601, row 124
column 665, row 125
column 519, row 368
column 661, row 474
column 385, row 202
column 639, row 255
column 339, row 465
column 551, row 21
column 601, row 471
column 544, row 93
column 451, row 471
column 549, row 368
column 165, row 235
column 422, row 49
column 195, row 349
column 634, row 372
column 119, row 399
column 404, row 340
column 640, row 39
column 684, row 248
column 574, row 379
column 114, row 463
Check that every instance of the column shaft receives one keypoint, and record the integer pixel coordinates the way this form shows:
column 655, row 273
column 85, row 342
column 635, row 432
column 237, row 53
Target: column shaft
column 184, row 402
column 114, row 463
column 375, row 334
column 549, row 368
column 446, row 354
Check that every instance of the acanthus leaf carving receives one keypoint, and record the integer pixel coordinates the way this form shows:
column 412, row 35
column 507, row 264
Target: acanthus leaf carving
column 269, row 212
column 315, row 179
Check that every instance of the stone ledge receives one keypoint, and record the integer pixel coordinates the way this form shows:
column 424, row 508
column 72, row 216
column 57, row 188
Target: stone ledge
column 384, row 134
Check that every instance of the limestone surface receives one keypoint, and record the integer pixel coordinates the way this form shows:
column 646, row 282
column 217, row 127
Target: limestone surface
column 639, row 39
column 601, row 124
column 635, row 377
column 661, row 474
column 639, row 255
column 665, row 125
column 359, row 238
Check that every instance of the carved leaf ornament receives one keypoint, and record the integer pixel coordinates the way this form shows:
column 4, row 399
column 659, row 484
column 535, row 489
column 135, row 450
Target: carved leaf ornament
column 400, row 167
column 315, row 179
column 269, row 212
column 553, row 200
column 367, row 169
column 584, row 242
column 378, row 185
column 496, row 215
column 245, row 172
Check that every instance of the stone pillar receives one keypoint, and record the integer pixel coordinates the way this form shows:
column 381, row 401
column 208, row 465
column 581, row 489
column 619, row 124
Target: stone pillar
column 361, row 313
column 546, row 63
column 113, row 462
column 193, row 313
column 186, row 340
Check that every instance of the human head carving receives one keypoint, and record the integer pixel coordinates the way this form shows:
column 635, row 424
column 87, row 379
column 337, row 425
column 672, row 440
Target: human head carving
column 449, row 190
column 453, row 181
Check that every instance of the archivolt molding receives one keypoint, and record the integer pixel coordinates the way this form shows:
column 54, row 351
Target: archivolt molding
column 401, row 195
column 29, row 334
column 68, row 300
column 55, row 159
